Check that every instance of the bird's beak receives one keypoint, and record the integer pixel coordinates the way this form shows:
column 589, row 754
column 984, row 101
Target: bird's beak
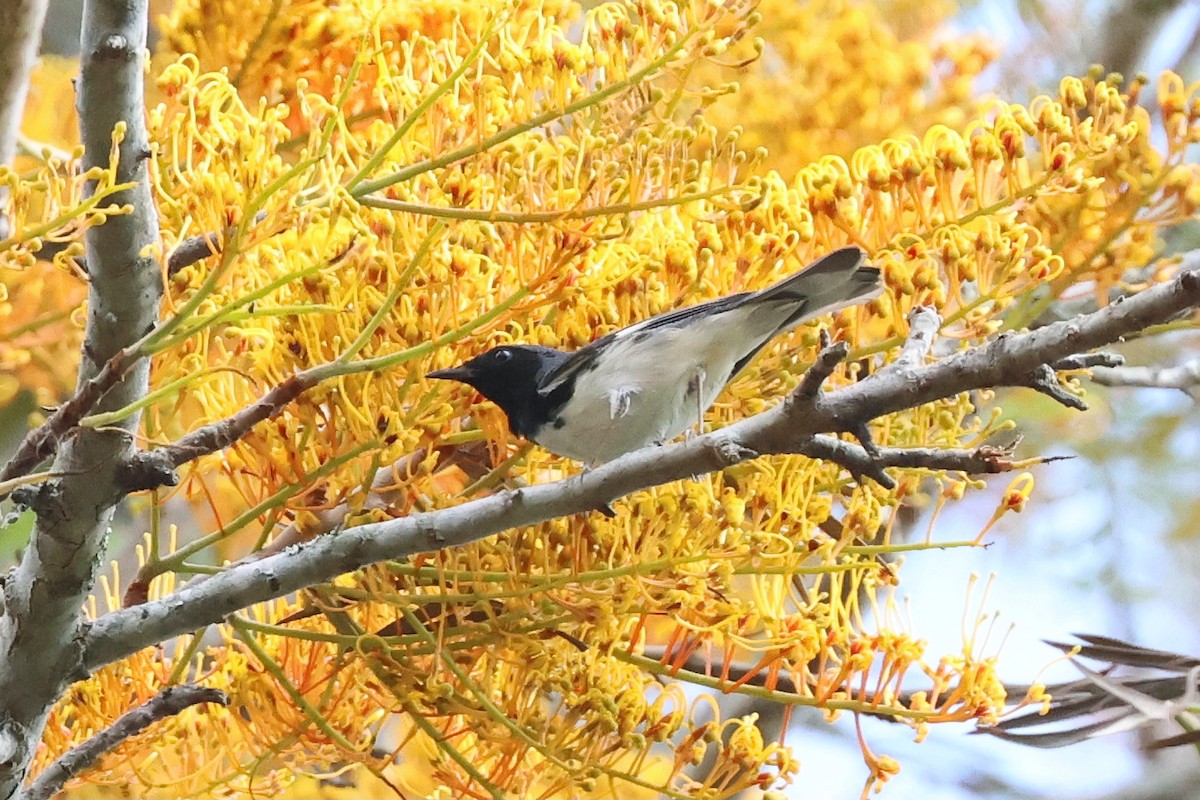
column 462, row 374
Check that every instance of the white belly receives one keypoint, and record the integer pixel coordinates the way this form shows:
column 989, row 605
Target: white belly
column 610, row 415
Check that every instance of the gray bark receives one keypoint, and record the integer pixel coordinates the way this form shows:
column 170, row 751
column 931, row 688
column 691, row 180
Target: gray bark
column 40, row 630
column 44, row 645
column 1008, row 360
column 20, row 31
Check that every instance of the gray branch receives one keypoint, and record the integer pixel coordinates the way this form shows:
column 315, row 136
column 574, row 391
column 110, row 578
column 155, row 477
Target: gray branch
column 923, row 324
column 41, row 633
column 1184, row 377
column 1007, row 360
column 20, row 31
column 860, row 463
column 167, row 703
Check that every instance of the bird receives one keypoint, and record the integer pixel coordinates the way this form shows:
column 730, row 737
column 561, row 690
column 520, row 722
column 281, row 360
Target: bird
column 647, row 383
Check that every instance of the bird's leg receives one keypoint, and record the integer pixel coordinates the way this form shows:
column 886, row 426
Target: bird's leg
column 695, row 388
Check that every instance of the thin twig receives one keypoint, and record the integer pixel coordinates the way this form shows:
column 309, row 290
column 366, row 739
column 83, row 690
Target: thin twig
column 860, row 463
column 150, row 469
column 923, row 324
column 199, row 247
column 1045, row 380
column 827, row 361
column 40, row 443
column 1185, row 377
column 1088, row 361
column 167, row 703
column 1006, row 360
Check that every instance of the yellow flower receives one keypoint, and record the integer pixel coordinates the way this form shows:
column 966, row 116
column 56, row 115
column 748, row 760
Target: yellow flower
column 394, row 187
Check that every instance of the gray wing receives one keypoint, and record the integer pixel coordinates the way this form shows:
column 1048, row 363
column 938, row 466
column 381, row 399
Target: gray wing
column 583, row 359
column 830, row 283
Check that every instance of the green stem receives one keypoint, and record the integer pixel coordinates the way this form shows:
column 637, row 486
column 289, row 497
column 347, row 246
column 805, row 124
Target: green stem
column 153, row 341
column 34, row 324
column 76, row 211
column 259, row 39
column 887, row 549
column 179, row 669
column 176, row 559
column 244, row 300
column 446, row 159
column 442, row 742
column 540, row 217
column 481, row 697
column 655, row 667
column 495, row 476
column 112, row 417
column 389, row 302
column 444, row 86
column 346, row 625
column 271, row 666
column 337, row 369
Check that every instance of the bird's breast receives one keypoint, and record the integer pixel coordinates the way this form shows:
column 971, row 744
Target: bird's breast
column 643, row 391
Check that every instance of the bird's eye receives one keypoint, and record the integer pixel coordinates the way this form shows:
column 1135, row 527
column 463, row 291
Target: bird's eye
column 503, row 354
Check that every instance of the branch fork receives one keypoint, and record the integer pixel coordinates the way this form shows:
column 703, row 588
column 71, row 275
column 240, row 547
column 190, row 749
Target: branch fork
column 169, row 702
column 805, row 422
column 868, row 460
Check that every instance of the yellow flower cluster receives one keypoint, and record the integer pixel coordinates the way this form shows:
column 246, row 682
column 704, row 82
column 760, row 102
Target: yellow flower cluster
column 43, row 286
column 403, row 198
column 212, row 750
column 836, row 75
column 272, row 49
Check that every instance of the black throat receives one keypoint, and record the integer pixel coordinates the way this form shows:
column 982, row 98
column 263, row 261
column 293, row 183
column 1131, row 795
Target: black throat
column 513, row 385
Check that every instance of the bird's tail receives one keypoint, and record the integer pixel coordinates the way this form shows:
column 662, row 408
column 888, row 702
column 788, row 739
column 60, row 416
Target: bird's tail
column 831, row 283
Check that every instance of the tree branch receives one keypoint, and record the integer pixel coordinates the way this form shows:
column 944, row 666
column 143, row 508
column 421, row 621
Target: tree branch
column 923, row 324
column 41, row 442
column 167, row 703
column 20, row 31
column 40, row 630
column 827, row 361
column 1184, row 377
column 149, row 469
column 1007, row 360
column 860, row 463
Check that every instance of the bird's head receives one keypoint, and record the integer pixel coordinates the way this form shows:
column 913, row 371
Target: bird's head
column 508, row 376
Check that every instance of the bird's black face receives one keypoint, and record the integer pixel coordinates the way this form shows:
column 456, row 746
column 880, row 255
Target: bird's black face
column 508, row 376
